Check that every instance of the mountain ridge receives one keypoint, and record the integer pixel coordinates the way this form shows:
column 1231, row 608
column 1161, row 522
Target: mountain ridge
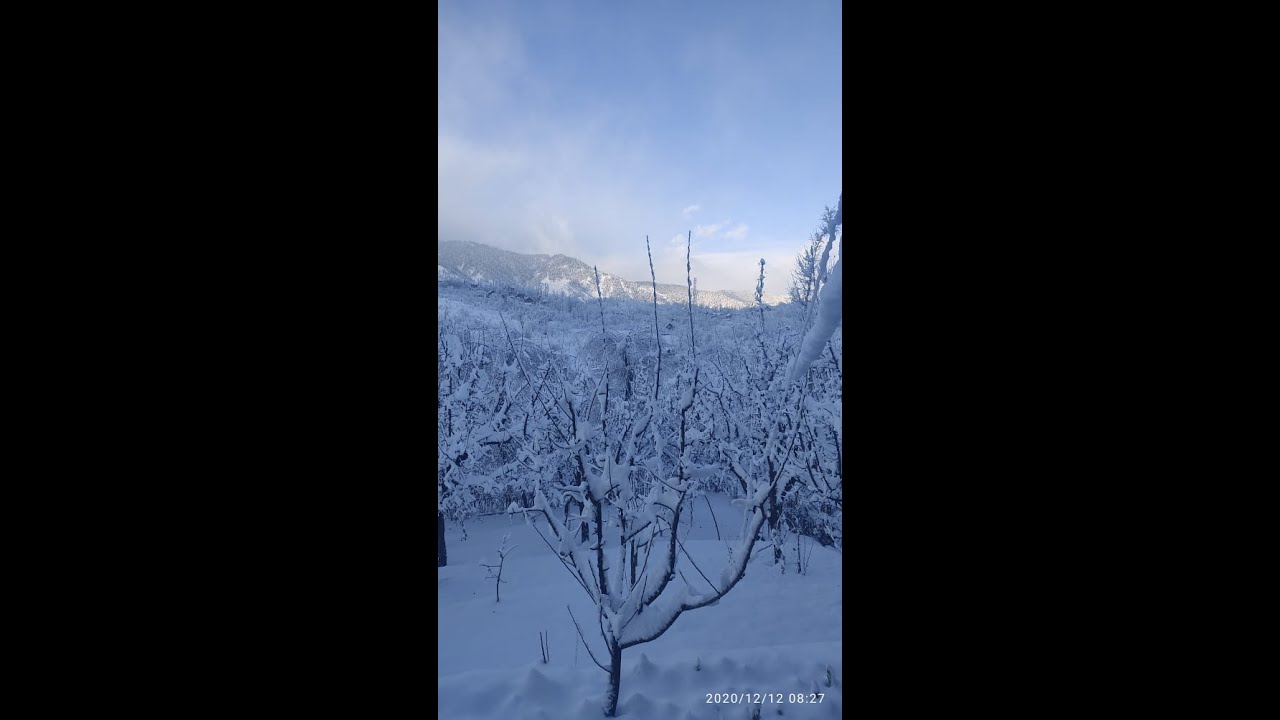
column 564, row 275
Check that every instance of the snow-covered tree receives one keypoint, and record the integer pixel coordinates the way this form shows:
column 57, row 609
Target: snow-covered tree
column 622, row 546
column 473, row 404
column 611, row 428
column 804, row 276
column 827, row 316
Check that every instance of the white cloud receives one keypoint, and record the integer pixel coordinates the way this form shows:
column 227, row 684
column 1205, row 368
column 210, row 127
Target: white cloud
column 737, row 269
column 552, row 233
column 687, row 212
column 739, row 233
column 709, row 231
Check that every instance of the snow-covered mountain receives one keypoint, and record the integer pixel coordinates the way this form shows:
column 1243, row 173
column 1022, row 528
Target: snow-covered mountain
column 568, row 276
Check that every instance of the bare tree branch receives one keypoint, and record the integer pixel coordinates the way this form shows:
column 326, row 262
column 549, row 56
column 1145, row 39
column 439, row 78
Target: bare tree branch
column 584, row 640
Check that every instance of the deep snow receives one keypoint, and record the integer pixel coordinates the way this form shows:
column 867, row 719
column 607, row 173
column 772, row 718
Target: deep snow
column 773, row 633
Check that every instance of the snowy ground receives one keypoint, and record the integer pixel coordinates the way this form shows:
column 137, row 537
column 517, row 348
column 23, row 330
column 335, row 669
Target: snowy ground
column 773, row 633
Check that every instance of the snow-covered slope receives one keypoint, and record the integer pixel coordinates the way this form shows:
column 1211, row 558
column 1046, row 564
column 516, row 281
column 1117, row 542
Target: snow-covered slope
column 564, row 275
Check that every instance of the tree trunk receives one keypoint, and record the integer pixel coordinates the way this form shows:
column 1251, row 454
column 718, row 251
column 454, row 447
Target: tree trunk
column 615, row 680
column 573, row 507
column 442, row 557
column 635, row 556
column 775, row 519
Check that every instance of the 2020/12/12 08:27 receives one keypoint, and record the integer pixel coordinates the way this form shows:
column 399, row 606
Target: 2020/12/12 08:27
column 764, row 698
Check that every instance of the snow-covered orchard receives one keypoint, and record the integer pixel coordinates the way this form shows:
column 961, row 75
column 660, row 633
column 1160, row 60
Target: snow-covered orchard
column 640, row 504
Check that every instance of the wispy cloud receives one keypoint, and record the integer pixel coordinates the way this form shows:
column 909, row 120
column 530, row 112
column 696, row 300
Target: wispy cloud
column 738, row 233
column 709, row 231
column 737, row 269
column 723, row 230
column 689, row 211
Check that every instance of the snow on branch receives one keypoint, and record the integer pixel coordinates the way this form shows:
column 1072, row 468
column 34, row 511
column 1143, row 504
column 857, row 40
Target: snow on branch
column 828, row 316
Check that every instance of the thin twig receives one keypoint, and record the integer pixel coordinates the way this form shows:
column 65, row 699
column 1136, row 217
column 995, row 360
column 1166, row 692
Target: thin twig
column 639, row 603
column 695, row 567
column 688, row 248
column 657, row 378
column 562, row 560
column 713, row 514
column 600, row 297
column 584, row 640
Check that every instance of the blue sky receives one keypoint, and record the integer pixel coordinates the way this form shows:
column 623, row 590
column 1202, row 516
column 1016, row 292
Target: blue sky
column 580, row 127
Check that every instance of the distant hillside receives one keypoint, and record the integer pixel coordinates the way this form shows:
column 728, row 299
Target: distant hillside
column 568, row 276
